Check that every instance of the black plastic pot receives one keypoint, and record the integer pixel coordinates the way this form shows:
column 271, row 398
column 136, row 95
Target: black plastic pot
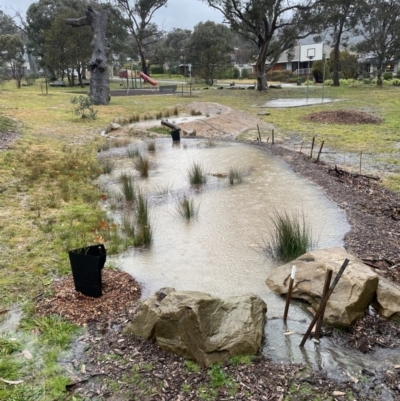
column 86, row 265
column 176, row 136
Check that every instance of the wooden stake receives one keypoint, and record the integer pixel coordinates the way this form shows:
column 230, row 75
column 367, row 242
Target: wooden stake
column 324, row 302
column 259, row 134
column 273, row 139
column 328, row 278
column 312, row 146
column 267, row 140
column 360, row 161
column 320, row 150
column 289, row 294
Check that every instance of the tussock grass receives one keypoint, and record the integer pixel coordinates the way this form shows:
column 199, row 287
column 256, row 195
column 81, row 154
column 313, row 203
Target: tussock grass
column 235, row 175
column 127, row 184
column 132, row 152
column 151, row 146
column 142, row 165
column 195, row 113
column 197, row 175
column 107, row 165
column 120, row 142
column 8, row 345
column 144, row 234
column 186, row 208
column 291, row 236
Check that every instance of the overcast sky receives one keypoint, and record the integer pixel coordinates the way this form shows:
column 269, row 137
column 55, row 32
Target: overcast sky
column 183, row 14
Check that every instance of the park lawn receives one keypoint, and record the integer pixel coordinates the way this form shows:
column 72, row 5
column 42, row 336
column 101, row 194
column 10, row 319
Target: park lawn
column 49, row 201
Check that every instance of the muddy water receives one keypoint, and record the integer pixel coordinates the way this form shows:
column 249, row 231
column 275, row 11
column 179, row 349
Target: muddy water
column 221, row 251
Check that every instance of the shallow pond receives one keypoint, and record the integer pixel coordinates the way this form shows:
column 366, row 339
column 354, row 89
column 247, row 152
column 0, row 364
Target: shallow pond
column 222, row 251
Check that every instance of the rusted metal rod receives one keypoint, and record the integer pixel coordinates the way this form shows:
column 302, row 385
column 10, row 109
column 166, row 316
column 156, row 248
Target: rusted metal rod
column 312, row 146
column 320, row 150
column 324, row 302
column 273, row 137
column 328, row 278
column 289, row 294
column 259, row 133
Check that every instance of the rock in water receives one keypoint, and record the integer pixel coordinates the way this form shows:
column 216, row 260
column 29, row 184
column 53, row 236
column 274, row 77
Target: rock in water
column 352, row 295
column 200, row 327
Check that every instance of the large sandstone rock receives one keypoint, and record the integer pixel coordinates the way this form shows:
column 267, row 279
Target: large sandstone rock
column 387, row 301
column 198, row 326
column 352, row 295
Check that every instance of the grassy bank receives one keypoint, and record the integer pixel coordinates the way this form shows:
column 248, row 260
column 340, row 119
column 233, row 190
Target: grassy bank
column 49, row 201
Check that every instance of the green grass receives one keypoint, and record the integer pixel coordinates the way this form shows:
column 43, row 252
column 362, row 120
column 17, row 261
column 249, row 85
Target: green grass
column 197, row 175
column 291, row 236
column 160, row 130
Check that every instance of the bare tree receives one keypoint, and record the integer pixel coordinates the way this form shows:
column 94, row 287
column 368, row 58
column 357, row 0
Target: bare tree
column 137, row 16
column 273, row 25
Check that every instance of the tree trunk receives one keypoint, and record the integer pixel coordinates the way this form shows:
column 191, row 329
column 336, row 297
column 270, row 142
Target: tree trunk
column 336, row 55
column 260, row 69
column 99, row 86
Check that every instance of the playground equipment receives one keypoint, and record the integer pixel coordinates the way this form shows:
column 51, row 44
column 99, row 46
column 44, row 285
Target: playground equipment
column 146, row 78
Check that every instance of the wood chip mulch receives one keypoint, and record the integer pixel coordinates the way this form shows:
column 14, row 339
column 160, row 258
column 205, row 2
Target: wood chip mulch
column 371, row 332
column 348, row 117
column 120, row 291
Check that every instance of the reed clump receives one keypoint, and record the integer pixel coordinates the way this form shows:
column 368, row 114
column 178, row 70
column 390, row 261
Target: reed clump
column 235, row 175
column 197, row 175
column 292, row 236
column 142, row 165
column 186, row 208
column 127, row 185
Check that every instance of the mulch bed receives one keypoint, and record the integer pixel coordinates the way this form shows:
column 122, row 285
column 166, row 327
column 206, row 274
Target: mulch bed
column 348, row 117
column 119, row 289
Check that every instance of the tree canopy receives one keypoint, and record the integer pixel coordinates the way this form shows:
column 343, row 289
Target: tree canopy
column 273, row 25
column 209, row 48
column 12, row 54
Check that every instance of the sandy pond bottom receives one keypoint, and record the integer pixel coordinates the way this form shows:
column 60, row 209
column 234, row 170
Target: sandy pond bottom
column 221, row 251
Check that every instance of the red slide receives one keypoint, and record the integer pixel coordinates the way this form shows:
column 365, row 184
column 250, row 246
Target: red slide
column 147, row 78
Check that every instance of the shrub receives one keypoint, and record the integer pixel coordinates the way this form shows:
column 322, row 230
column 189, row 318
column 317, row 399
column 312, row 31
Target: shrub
column 291, row 237
column 387, row 76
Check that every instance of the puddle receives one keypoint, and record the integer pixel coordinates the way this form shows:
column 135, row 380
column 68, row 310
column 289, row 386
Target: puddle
column 221, row 251
column 282, row 103
column 10, row 319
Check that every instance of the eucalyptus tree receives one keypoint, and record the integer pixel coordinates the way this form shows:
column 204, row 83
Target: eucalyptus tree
column 340, row 19
column 7, row 26
column 12, row 55
column 273, row 25
column 209, row 49
column 137, row 15
column 380, row 29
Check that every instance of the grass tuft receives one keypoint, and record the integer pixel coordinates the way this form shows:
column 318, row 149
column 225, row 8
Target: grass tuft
column 143, row 166
column 107, row 166
column 235, row 175
column 292, row 237
column 151, row 146
column 127, row 186
column 197, row 175
column 186, row 208
column 132, row 152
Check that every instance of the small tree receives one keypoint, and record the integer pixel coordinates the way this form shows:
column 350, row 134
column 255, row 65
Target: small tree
column 84, row 107
column 12, row 54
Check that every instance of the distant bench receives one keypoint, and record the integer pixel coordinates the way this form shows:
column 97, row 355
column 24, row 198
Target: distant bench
column 167, row 88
